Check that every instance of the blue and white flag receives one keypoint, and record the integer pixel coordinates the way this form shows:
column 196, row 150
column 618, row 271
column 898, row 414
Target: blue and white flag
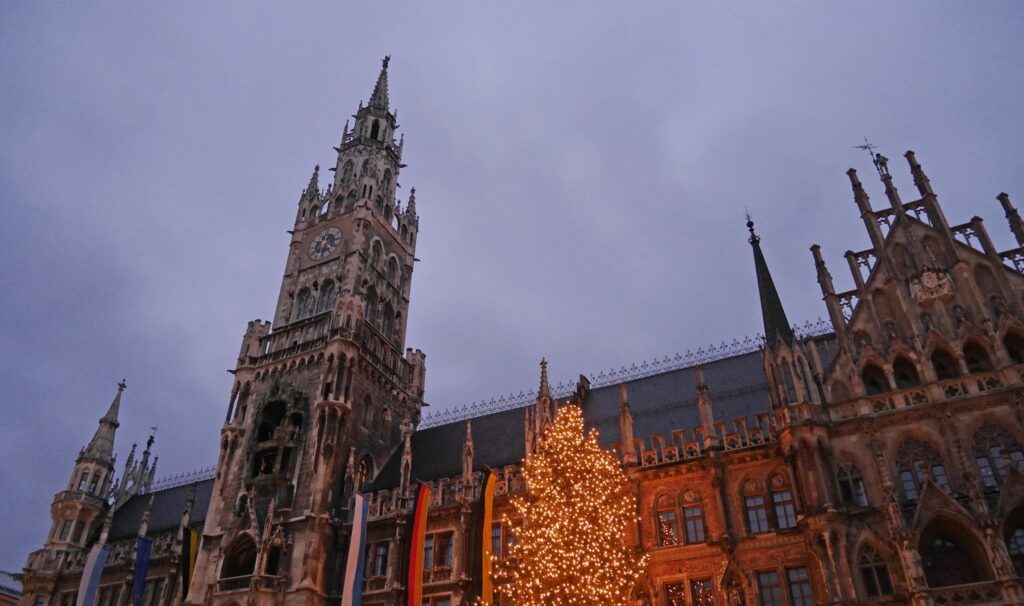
column 142, row 551
column 352, row 596
column 94, row 564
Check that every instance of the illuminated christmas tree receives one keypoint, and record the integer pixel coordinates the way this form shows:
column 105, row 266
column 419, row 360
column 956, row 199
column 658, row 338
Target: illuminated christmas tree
column 570, row 545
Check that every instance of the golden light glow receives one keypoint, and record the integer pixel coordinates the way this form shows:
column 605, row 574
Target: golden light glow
column 570, row 532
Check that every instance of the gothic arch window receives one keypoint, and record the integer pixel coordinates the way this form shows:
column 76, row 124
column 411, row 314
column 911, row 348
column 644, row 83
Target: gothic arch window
column 787, row 380
column 376, row 251
column 905, row 374
column 874, row 572
column 387, row 320
column 364, row 473
column 327, row 295
column 94, row 483
column 365, row 169
column 1013, row 528
column 371, row 308
column 945, row 364
column 994, row 451
column 240, row 559
column 314, row 212
column 350, row 201
column 347, row 170
column 851, row 486
column 379, row 204
column 874, row 379
column 977, row 358
column 755, row 507
column 392, row 270
column 303, row 304
column 783, row 503
column 367, row 410
column 917, row 462
column 951, row 555
column 386, row 181
column 375, row 130
column 668, row 520
column 242, row 506
column 1014, row 345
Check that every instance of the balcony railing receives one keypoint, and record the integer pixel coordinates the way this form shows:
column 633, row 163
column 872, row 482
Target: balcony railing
column 438, row 574
column 910, row 397
column 975, row 594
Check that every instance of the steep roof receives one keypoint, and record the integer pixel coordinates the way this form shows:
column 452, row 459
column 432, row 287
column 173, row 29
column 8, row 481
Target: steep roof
column 660, row 403
column 168, row 506
column 9, row 586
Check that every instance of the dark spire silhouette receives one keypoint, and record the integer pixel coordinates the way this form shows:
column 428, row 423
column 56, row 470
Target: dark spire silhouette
column 776, row 325
column 379, row 98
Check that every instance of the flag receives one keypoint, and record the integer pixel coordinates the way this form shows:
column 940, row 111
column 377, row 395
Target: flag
column 352, row 594
column 91, row 573
column 419, row 532
column 143, row 548
column 189, row 546
column 486, row 590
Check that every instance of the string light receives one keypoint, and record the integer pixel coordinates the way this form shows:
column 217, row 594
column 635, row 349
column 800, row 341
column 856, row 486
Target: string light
column 570, row 525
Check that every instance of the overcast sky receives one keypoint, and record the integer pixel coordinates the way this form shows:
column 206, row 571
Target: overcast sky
column 581, row 170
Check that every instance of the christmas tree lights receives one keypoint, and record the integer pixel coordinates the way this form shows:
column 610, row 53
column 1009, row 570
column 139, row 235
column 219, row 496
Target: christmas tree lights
column 570, row 525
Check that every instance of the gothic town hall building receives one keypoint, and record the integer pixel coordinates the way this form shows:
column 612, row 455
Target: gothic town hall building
column 877, row 458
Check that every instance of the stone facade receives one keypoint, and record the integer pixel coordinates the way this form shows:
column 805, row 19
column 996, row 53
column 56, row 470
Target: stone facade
column 874, row 461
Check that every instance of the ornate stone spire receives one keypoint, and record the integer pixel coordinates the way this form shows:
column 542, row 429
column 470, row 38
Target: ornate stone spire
column 102, row 444
column 545, row 387
column 1016, row 226
column 776, row 325
column 410, row 208
column 379, row 97
column 313, row 189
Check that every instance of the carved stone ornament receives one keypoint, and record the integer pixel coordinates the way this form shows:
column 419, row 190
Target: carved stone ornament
column 931, row 285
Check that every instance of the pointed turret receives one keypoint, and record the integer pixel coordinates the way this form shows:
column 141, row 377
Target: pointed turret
column 313, row 189
column 379, row 97
column 545, row 388
column 102, row 444
column 776, row 326
column 1016, row 226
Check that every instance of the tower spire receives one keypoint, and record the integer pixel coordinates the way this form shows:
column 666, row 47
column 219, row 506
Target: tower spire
column 379, row 97
column 545, row 387
column 776, row 325
column 102, row 443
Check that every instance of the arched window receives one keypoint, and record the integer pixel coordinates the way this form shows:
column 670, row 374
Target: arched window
column 350, row 201
column 782, row 502
column 303, row 304
column 994, row 450
column 386, row 181
column 945, row 365
column 240, row 559
column 347, row 170
column 755, row 507
column 874, row 572
column 364, row 473
column 977, row 358
column 392, row 270
column 365, row 168
column 371, row 308
column 905, row 374
column 376, row 250
column 668, row 521
column 379, row 204
column 851, row 486
column 950, row 556
column 387, row 320
column 693, row 517
column 917, row 462
column 375, row 129
column 787, row 380
column 327, row 295
column 1014, row 345
column 1013, row 534
column 874, row 379
column 94, row 483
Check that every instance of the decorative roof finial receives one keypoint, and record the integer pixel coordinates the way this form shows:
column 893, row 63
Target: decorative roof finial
column 750, row 226
column 545, row 387
column 379, row 97
column 122, row 385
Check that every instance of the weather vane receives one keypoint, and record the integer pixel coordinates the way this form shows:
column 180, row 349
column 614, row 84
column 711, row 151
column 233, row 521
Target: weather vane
column 881, row 162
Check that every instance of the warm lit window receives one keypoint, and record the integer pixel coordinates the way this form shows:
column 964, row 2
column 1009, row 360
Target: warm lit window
column 702, row 592
column 675, row 594
column 668, row 531
column 770, row 589
column 875, row 572
column 693, row 517
column 800, row 593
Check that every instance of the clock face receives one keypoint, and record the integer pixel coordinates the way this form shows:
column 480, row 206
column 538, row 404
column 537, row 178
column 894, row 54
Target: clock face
column 324, row 244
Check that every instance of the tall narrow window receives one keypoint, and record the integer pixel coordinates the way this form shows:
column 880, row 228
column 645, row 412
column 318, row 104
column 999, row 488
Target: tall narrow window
column 702, row 591
column 380, row 559
column 65, row 530
column 770, row 589
column 675, row 594
column 693, row 516
column 1015, row 545
column 851, row 487
column 800, row 593
column 83, row 481
column 303, row 304
column 917, row 462
column 875, row 572
column 328, row 293
column 757, row 513
column 668, row 523
column 785, row 509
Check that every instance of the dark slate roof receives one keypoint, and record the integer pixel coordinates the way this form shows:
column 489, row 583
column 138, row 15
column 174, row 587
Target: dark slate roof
column 498, row 439
column 660, row 403
column 168, row 506
column 9, row 586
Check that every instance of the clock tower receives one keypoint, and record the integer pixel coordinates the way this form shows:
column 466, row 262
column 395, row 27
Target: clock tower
column 324, row 395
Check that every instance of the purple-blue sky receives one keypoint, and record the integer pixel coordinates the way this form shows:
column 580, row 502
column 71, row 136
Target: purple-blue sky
column 581, row 170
